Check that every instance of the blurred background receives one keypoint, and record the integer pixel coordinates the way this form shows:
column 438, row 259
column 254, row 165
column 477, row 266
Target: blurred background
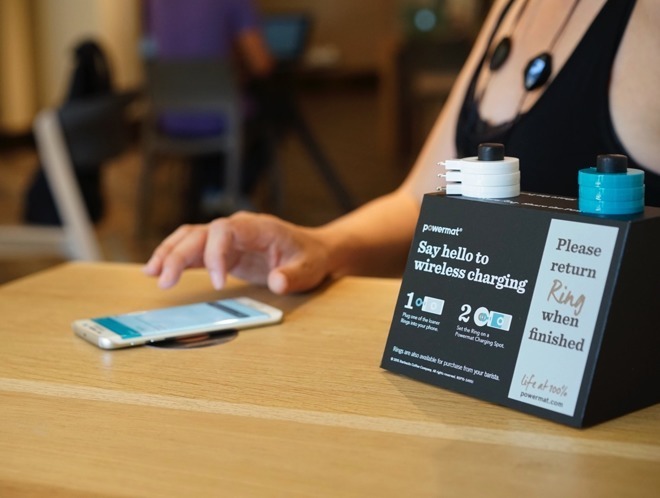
column 366, row 88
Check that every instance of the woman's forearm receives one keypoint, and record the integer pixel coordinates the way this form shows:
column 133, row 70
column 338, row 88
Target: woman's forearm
column 374, row 239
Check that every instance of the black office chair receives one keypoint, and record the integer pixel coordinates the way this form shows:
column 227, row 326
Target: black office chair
column 204, row 86
column 85, row 133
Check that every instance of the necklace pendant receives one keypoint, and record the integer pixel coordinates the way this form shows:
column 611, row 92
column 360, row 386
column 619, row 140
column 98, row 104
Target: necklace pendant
column 538, row 71
column 500, row 54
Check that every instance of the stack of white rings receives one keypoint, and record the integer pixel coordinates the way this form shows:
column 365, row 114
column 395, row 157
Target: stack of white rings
column 490, row 175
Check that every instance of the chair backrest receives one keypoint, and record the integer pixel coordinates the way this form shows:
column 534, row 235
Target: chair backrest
column 199, row 88
column 191, row 85
column 81, row 133
column 95, row 128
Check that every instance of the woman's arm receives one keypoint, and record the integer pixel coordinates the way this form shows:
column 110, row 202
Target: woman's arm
column 372, row 240
column 375, row 239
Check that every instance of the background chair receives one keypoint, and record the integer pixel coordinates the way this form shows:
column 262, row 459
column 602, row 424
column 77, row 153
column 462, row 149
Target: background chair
column 207, row 87
column 87, row 131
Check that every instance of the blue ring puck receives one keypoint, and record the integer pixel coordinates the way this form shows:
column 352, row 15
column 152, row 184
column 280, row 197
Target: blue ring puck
column 590, row 177
column 611, row 194
column 610, row 207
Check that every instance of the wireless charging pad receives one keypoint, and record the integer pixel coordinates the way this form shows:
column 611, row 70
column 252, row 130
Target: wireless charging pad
column 197, row 341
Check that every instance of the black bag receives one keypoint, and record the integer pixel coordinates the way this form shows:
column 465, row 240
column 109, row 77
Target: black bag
column 91, row 77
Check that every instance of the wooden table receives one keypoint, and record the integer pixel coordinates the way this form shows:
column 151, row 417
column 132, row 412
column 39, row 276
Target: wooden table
column 297, row 409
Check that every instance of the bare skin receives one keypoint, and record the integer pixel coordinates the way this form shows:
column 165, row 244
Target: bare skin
column 252, row 47
column 374, row 239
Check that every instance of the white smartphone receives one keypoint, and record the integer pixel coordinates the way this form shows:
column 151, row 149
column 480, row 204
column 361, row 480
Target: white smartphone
column 144, row 327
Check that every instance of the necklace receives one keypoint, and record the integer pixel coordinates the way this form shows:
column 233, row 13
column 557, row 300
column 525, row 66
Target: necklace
column 503, row 48
column 539, row 69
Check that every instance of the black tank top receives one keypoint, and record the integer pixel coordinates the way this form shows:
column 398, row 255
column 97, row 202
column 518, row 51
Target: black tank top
column 570, row 124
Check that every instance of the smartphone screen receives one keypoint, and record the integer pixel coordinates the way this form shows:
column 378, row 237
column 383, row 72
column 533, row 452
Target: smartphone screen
column 132, row 329
column 179, row 318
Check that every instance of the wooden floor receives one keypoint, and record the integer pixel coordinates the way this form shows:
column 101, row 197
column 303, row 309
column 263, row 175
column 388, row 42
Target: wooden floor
column 344, row 119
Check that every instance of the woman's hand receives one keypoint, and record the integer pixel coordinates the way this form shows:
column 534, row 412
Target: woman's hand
column 258, row 248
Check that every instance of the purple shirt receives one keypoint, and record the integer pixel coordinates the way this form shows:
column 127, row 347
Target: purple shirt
column 196, row 29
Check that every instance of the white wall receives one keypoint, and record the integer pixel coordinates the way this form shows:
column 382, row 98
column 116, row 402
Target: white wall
column 61, row 24
column 120, row 32
column 37, row 38
column 17, row 69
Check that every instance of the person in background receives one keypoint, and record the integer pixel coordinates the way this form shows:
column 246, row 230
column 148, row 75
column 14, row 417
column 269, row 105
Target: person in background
column 214, row 29
column 577, row 79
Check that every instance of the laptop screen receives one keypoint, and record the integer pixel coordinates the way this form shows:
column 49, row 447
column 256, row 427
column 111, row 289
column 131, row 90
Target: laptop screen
column 286, row 35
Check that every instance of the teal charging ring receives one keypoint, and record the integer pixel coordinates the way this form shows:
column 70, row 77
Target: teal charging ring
column 611, row 194
column 610, row 207
column 611, row 188
column 591, row 177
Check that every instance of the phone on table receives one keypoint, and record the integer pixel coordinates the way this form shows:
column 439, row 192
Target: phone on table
column 144, row 327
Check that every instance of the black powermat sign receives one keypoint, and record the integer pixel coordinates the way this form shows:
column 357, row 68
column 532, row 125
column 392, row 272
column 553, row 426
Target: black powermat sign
column 527, row 303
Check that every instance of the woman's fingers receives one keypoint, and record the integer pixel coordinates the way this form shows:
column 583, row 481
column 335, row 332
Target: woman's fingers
column 219, row 245
column 155, row 264
column 258, row 248
column 182, row 249
column 242, row 245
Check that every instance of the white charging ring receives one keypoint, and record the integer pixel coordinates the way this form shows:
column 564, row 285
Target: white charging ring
column 472, row 165
column 488, row 180
column 501, row 192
